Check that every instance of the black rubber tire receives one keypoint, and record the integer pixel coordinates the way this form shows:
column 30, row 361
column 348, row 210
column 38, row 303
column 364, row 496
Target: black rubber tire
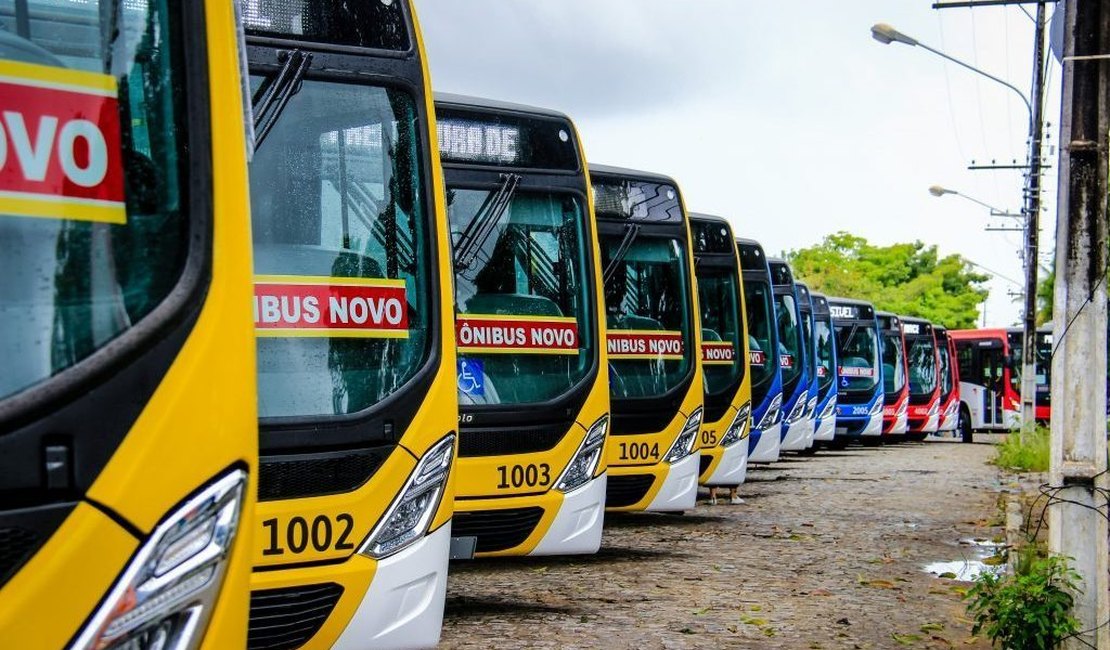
column 964, row 426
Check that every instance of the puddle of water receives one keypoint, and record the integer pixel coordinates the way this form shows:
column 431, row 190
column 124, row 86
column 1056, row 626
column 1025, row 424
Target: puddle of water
column 985, row 560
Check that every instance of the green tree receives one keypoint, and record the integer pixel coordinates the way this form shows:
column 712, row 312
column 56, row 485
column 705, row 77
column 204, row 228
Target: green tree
column 1046, row 291
column 910, row 279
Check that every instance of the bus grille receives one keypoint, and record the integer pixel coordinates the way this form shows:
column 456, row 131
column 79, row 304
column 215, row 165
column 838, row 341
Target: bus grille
column 285, row 619
column 309, row 475
column 704, row 463
column 504, row 443
column 496, row 530
column 16, row 545
column 622, row 491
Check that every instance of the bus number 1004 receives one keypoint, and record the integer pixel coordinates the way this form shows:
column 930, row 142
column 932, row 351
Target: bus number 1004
column 519, row 476
column 639, row 451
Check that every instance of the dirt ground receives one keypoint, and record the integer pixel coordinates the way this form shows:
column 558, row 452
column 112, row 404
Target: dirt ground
column 826, row 552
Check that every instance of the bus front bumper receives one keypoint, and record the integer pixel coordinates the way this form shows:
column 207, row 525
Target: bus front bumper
column 576, row 529
column 680, row 487
column 662, row 487
column 861, row 426
column 825, row 430
column 929, row 424
column 797, row 435
column 403, row 608
column 767, row 446
column 729, row 465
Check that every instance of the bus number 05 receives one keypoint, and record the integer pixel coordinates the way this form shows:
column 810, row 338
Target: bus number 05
column 639, row 451
column 523, row 476
column 320, row 534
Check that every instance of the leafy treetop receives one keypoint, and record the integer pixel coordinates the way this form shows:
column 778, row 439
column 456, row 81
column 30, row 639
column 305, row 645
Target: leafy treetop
column 908, row 279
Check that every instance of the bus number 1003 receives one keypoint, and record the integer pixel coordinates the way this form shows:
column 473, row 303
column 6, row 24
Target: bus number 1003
column 519, row 476
column 639, row 451
column 300, row 534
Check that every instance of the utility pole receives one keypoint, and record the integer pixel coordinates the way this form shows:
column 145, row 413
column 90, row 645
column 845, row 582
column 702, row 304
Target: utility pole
column 1077, row 524
column 1032, row 229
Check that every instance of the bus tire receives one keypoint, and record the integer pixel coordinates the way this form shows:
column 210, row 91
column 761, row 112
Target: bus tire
column 964, row 426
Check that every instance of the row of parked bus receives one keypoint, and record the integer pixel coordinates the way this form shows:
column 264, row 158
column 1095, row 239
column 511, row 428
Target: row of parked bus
column 282, row 332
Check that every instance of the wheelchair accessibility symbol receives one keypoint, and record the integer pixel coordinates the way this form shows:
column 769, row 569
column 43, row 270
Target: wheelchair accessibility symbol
column 471, row 378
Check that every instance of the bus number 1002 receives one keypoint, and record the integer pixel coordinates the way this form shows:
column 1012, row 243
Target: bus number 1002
column 639, row 451
column 519, row 476
column 320, row 534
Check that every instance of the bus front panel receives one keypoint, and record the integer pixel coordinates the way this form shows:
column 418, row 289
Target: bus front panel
column 923, row 378
column 724, row 354
column 896, row 388
column 764, row 364
column 532, row 379
column 827, row 384
column 653, row 343
column 793, row 358
column 127, row 412
column 355, row 340
column 859, row 410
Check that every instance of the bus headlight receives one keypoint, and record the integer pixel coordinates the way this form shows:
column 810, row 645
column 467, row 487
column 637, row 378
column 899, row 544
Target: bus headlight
column 165, row 595
column 829, row 410
column 876, row 408
column 684, row 444
column 410, row 514
column 771, row 415
column 811, row 406
column 798, row 412
column 904, row 408
column 735, row 432
column 934, row 409
column 582, row 467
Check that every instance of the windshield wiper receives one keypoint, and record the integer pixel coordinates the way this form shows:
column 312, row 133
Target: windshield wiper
column 484, row 221
column 631, row 231
column 275, row 95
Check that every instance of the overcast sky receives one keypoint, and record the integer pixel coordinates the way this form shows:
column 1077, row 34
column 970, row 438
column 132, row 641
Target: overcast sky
column 784, row 117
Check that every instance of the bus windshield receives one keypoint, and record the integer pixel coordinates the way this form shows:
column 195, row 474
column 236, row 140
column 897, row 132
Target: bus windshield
column 826, row 374
column 922, row 358
column 721, row 329
column 647, row 313
column 523, row 300
column 757, row 297
column 342, row 286
column 97, row 236
column 791, row 355
column 807, row 338
column 894, row 369
column 858, row 354
column 945, row 371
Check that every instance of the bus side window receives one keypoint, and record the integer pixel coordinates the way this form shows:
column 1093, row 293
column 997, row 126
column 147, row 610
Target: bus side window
column 965, row 355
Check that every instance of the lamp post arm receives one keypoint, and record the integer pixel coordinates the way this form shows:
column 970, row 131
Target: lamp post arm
column 1028, row 106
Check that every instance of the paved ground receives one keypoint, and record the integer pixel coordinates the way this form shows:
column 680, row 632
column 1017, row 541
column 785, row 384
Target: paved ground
column 827, row 552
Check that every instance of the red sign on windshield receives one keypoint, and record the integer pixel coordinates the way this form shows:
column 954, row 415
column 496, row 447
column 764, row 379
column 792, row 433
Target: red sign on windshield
column 856, row 372
column 60, row 145
column 330, row 307
column 494, row 334
column 645, row 344
column 718, row 353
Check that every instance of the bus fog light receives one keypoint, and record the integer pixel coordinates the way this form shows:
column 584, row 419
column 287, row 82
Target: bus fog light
column 735, row 430
column 165, row 594
column 684, row 444
column 410, row 514
column 582, row 467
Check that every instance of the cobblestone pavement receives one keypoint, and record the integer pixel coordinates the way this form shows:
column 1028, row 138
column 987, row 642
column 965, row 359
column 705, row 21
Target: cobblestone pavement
column 827, row 552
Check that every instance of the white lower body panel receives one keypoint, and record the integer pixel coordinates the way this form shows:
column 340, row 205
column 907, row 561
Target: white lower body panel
column 797, row 435
column 680, row 488
column 826, row 430
column 733, row 468
column 768, row 447
column 577, row 526
column 404, row 606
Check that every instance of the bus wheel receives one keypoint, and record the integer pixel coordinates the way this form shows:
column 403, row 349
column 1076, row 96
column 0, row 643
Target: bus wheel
column 965, row 426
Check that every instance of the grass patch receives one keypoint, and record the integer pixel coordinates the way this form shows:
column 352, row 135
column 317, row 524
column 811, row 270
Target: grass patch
column 1024, row 453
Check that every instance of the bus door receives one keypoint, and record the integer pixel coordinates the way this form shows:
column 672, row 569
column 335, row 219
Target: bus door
column 992, row 364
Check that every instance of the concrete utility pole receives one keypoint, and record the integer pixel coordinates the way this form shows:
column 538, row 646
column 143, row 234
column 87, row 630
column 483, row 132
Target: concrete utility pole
column 1078, row 462
column 1032, row 229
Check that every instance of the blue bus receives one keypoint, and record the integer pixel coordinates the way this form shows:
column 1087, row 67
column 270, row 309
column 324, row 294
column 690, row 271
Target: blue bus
column 805, row 304
column 793, row 357
column 824, row 336
column 763, row 354
column 859, row 409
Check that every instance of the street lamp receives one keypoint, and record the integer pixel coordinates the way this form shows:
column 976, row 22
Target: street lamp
column 938, row 191
column 886, row 35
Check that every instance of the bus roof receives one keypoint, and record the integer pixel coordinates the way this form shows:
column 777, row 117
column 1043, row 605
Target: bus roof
column 915, row 319
column 820, row 303
column 701, row 216
column 837, row 300
column 467, row 101
column 622, row 172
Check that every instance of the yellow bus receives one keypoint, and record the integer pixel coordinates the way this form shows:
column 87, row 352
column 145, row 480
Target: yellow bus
column 355, row 338
column 653, row 340
column 724, row 353
column 128, row 438
column 532, row 377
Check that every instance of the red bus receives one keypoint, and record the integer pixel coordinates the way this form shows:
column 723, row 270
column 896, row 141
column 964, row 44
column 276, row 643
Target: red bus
column 924, row 380
column 989, row 387
column 949, row 382
column 896, row 390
